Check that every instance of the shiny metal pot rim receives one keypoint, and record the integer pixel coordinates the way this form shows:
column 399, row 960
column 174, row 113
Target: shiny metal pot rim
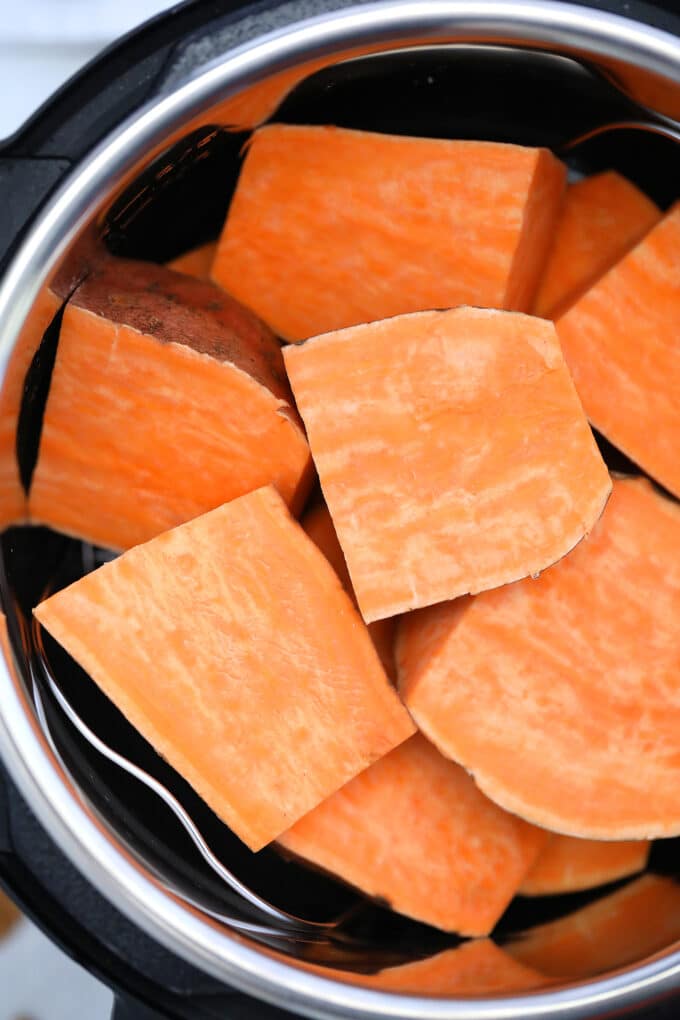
column 74, row 826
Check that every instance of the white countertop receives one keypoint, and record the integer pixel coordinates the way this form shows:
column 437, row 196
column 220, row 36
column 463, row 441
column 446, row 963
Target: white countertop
column 43, row 42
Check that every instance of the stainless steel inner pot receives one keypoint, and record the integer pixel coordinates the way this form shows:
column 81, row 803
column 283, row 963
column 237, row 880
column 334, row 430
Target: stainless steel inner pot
column 531, row 72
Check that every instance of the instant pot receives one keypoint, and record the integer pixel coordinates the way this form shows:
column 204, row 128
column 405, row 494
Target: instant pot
column 141, row 152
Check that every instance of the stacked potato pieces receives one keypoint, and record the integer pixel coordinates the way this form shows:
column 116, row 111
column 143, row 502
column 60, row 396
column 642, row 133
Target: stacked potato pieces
column 457, row 677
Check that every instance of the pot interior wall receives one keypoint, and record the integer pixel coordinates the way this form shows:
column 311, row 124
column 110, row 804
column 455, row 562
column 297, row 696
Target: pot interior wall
column 490, row 93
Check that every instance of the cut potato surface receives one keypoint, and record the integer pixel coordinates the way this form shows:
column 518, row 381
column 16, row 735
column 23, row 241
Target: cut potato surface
column 603, row 216
column 167, row 399
column 329, row 228
column 622, row 928
column 621, row 344
column 567, row 864
column 197, row 262
column 562, row 694
column 453, row 452
column 415, row 831
column 318, row 524
column 231, row 646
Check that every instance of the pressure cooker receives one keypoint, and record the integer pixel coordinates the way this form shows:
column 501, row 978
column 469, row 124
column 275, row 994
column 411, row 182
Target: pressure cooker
column 141, row 152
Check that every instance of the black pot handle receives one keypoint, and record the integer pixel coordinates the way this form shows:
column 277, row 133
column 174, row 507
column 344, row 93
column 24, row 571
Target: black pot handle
column 234, row 1006
column 28, row 181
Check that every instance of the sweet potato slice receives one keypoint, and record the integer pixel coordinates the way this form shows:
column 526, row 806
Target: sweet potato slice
column 625, row 927
column 318, row 524
column 232, row 647
column 603, row 216
column 620, row 341
column 550, row 689
column 567, row 864
column 415, row 831
column 329, row 228
column 453, row 452
column 196, row 262
column 167, row 399
column 477, row 967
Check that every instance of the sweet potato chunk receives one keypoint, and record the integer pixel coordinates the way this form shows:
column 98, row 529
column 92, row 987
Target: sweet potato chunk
column 453, row 452
column 232, row 647
column 550, row 689
column 621, row 344
column 568, row 865
column 318, row 524
column 197, row 262
column 622, row 928
column 477, row 967
column 330, row 228
column 603, row 216
column 167, row 399
column 414, row 830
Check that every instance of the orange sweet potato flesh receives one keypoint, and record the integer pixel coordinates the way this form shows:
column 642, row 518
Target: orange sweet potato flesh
column 196, row 262
column 477, row 967
column 13, row 504
column 550, row 689
column 232, row 647
column 415, row 831
column 329, row 228
column 567, row 864
column 452, row 449
column 620, row 342
column 603, row 216
column 256, row 104
column 623, row 928
column 167, row 399
column 318, row 524
column 85, row 253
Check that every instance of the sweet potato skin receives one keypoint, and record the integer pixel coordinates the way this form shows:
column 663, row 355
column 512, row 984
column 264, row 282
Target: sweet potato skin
column 177, row 309
column 167, row 399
